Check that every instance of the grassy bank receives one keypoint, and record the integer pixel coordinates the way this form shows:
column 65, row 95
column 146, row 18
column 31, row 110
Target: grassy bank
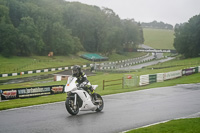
column 177, row 63
column 158, row 38
column 20, row 64
column 175, row 126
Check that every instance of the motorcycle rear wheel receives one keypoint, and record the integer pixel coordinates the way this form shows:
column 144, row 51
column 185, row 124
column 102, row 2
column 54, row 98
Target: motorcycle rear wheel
column 71, row 108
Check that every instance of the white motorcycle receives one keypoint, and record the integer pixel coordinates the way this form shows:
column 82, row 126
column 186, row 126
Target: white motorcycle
column 79, row 99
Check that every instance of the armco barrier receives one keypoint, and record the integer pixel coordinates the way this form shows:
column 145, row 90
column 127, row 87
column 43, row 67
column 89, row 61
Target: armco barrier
column 31, row 92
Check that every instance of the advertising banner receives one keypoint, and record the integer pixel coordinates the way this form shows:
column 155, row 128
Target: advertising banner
column 195, row 69
column 173, row 74
column 156, row 50
column 57, row 89
column 160, row 77
column 9, row 94
column 187, row 71
column 152, row 78
column 32, row 92
column 144, row 80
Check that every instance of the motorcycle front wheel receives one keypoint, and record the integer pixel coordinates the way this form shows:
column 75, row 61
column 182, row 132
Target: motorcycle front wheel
column 71, row 107
column 99, row 102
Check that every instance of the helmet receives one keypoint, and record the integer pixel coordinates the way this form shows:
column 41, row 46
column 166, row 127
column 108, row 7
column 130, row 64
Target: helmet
column 76, row 70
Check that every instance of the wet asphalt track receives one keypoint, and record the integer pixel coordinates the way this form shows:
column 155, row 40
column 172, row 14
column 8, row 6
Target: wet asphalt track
column 121, row 112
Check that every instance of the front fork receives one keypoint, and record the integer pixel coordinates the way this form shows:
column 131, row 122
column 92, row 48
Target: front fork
column 75, row 98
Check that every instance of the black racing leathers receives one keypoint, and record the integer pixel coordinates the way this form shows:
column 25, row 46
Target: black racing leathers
column 83, row 81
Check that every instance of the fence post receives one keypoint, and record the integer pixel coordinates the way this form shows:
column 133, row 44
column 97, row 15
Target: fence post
column 0, row 94
column 122, row 82
column 103, row 84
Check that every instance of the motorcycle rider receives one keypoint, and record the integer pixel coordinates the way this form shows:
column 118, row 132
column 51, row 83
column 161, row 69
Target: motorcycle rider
column 82, row 79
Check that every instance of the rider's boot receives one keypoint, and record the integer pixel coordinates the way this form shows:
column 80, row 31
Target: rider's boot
column 93, row 93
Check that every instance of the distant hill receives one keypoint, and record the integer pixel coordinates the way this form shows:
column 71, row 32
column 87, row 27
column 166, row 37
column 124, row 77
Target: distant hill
column 159, row 38
column 157, row 25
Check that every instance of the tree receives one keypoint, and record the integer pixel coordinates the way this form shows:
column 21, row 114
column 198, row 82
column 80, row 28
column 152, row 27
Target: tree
column 8, row 33
column 40, row 26
column 33, row 42
column 60, row 41
column 187, row 41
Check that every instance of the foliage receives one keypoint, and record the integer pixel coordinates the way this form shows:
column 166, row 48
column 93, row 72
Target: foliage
column 41, row 26
column 187, row 41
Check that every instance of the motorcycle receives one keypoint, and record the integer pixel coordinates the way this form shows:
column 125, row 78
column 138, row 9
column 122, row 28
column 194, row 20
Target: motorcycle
column 80, row 99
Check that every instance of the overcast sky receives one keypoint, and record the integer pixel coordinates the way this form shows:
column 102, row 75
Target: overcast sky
column 167, row 11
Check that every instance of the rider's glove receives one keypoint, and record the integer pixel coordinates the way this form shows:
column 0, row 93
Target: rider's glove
column 83, row 84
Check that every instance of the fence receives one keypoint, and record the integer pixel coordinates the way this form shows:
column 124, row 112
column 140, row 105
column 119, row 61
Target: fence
column 130, row 80
column 121, row 83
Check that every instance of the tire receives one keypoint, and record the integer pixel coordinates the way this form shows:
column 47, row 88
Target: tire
column 69, row 104
column 99, row 104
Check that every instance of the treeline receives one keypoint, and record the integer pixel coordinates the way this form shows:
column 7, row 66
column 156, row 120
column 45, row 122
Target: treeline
column 157, row 25
column 187, row 37
column 36, row 27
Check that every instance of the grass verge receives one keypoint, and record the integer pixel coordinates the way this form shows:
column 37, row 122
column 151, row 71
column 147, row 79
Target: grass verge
column 175, row 126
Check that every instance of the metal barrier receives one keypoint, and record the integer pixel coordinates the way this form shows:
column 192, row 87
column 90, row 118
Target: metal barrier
column 122, row 82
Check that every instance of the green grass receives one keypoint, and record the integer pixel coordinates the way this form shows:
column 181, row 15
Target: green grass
column 158, row 38
column 175, row 126
column 178, row 63
column 20, row 64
